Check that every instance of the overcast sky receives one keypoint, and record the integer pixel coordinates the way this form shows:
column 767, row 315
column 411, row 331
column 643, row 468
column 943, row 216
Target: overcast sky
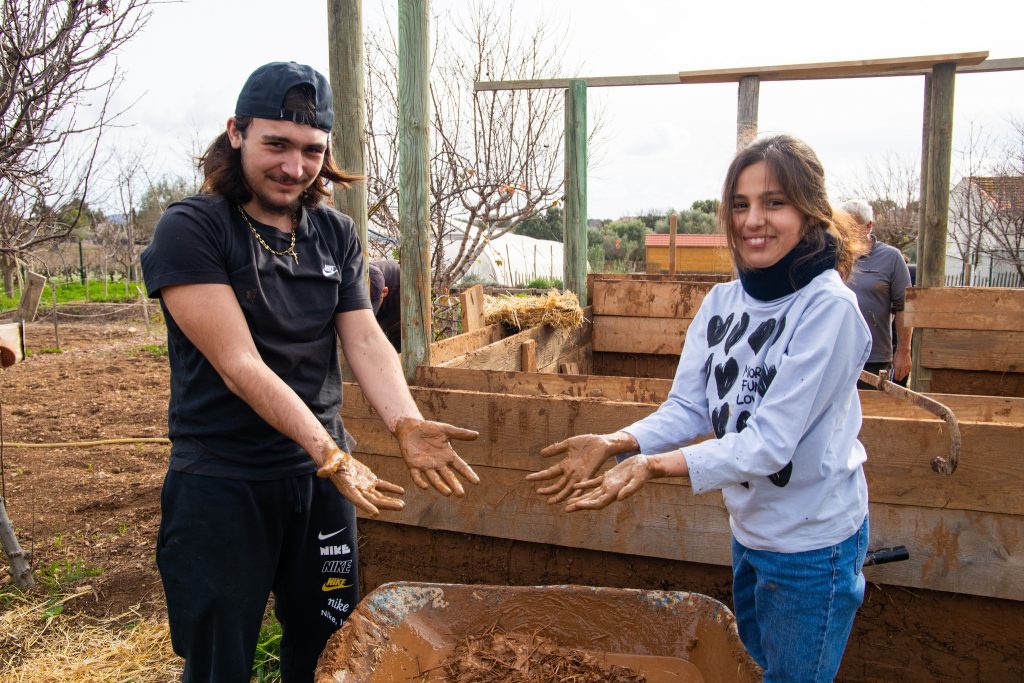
column 664, row 146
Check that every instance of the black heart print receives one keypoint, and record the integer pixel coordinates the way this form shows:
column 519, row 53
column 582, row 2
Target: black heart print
column 759, row 336
column 707, row 368
column 766, row 380
column 781, row 478
column 782, row 326
column 717, row 329
column 737, row 333
column 725, row 376
column 741, row 424
column 720, row 419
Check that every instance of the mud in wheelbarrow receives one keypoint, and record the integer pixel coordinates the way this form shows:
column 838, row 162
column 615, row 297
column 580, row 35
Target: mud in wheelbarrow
column 405, row 631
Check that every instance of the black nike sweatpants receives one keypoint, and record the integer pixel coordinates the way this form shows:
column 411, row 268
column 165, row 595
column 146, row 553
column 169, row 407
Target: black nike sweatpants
column 226, row 544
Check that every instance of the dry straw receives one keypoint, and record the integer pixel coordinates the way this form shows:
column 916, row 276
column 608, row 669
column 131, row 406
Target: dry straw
column 561, row 311
column 75, row 647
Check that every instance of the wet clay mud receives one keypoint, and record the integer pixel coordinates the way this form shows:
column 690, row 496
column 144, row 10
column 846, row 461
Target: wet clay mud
column 406, row 631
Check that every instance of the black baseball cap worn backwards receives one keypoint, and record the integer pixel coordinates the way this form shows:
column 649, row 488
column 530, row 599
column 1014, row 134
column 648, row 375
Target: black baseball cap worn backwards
column 263, row 94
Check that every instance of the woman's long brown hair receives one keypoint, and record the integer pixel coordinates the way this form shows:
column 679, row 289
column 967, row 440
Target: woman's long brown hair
column 800, row 174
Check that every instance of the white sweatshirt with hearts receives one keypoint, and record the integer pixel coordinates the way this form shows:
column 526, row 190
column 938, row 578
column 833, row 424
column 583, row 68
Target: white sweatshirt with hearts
column 776, row 382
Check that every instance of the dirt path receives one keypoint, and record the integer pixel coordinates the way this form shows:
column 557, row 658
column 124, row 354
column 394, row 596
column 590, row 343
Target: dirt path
column 86, row 509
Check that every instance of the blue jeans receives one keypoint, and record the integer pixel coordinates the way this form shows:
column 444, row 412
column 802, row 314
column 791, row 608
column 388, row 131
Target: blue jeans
column 795, row 610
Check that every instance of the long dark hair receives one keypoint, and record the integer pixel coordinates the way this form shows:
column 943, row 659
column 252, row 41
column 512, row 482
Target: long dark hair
column 802, row 178
column 222, row 164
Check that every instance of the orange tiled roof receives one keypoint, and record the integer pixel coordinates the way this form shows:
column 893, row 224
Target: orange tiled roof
column 1005, row 192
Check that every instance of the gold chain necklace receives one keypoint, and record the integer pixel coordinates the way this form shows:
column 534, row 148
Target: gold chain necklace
column 290, row 251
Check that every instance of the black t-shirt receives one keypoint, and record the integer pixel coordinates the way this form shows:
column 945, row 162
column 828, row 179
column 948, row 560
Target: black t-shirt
column 290, row 310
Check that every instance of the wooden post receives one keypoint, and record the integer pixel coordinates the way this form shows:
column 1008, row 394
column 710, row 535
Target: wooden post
column 931, row 266
column 673, row 227
column 345, row 47
column 21, row 570
column 29, row 302
column 528, row 355
column 746, row 111
column 472, row 304
column 414, row 180
column 575, row 259
column 920, row 378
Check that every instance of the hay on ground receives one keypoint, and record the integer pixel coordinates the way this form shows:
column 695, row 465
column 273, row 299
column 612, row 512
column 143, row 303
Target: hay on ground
column 76, row 647
column 560, row 310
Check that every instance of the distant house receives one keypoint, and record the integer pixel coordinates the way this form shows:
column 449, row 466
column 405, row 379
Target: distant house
column 694, row 254
column 985, row 232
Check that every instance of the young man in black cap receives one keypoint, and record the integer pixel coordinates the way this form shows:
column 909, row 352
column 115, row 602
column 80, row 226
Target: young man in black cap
column 257, row 280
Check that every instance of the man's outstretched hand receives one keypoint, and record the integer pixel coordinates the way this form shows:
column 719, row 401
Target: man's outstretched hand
column 359, row 484
column 431, row 459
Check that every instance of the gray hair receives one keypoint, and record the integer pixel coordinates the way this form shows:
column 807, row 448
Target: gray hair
column 860, row 210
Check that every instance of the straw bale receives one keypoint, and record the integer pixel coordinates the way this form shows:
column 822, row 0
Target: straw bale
column 560, row 310
column 75, row 647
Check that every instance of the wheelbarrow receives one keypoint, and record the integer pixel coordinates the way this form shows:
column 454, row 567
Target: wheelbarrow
column 405, row 631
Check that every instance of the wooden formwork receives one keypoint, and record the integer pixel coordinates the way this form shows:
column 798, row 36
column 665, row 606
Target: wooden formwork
column 965, row 533
column 972, row 339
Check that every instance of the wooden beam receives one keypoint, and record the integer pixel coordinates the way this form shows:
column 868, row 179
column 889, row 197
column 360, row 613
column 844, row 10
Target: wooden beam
column 978, row 382
column 931, row 266
column 347, row 67
column 575, row 233
column 414, row 181
column 663, row 336
column 649, row 299
column 472, row 304
column 673, row 227
column 920, row 377
column 528, row 355
column 505, row 354
column 29, row 302
column 746, row 110
column 445, row 350
column 968, row 62
column 627, row 389
column 864, row 68
column 965, row 308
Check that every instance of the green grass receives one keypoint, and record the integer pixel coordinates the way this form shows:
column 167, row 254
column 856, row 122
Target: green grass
column 74, row 292
column 155, row 350
column 266, row 668
column 57, row 577
column 544, row 283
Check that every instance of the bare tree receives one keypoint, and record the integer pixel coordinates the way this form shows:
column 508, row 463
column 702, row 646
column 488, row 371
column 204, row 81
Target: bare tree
column 892, row 186
column 55, row 65
column 496, row 157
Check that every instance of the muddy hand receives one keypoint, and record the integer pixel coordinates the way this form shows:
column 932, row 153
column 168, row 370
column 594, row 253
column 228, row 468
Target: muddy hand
column 584, row 455
column 359, row 484
column 431, row 459
column 618, row 483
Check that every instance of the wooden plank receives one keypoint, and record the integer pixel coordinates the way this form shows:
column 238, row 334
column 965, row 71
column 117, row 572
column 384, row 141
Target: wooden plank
column 950, row 550
column 643, row 299
column 461, row 344
column 472, row 303
column 505, row 354
column 513, row 430
column 663, row 336
column 746, row 110
column 966, row 64
column 29, row 302
column 931, row 250
column 967, row 408
column 579, row 357
column 987, row 350
column 528, row 355
column 965, row 308
column 864, row 68
column 627, row 389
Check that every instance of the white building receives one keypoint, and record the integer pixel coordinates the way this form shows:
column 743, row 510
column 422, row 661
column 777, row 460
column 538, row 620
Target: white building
column 986, row 232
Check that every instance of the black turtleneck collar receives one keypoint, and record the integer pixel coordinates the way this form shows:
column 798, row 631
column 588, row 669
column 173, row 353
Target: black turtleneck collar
column 782, row 278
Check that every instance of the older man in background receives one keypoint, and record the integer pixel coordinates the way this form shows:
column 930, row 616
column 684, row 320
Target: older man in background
column 880, row 280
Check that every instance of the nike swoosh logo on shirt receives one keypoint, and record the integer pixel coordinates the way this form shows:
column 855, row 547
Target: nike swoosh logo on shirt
column 324, row 537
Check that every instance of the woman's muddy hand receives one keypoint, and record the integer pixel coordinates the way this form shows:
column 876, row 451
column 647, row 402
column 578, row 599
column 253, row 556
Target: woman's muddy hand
column 618, row 483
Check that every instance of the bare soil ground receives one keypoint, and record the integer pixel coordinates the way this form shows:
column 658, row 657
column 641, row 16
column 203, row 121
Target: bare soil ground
column 90, row 508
